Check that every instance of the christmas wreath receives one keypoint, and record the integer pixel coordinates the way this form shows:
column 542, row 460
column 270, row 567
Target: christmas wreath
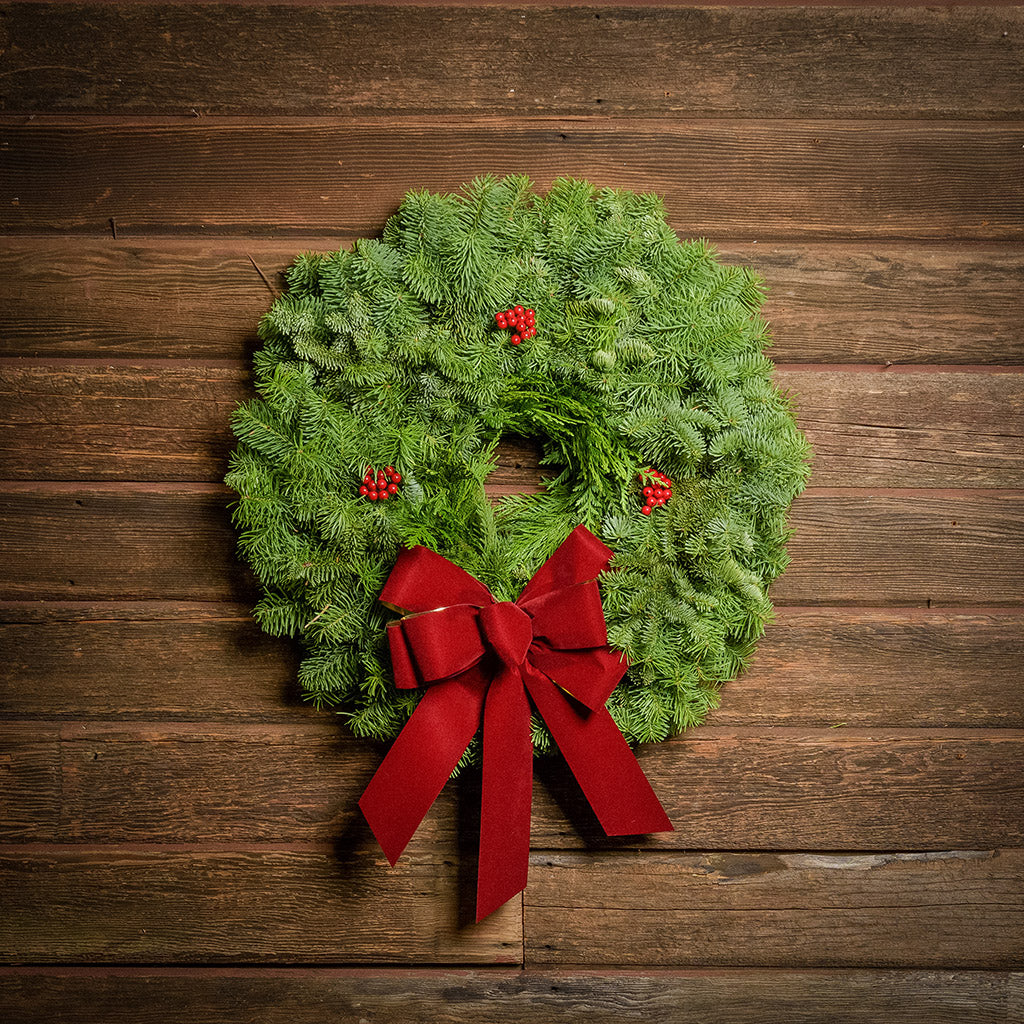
column 389, row 375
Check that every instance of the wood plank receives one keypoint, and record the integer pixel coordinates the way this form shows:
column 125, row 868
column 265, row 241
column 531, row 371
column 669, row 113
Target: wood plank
column 889, row 303
column 174, row 542
column 170, row 421
column 196, row 783
column 262, row 905
column 783, row 789
column 942, row 910
column 792, row 789
column 783, row 179
column 881, row 667
column 41, row 995
column 917, row 549
column 911, row 429
column 191, row 298
column 889, row 62
column 828, row 667
column 91, row 421
column 183, row 661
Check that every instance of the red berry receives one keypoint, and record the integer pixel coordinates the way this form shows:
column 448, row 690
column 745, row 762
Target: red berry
column 646, row 510
column 396, row 478
column 382, row 495
column 502, row 322
column 519, row 311
column 516, row 339
column 510, row 314
column 372, row 495
column 392, row 488
column 389, row 470
column 529, row 312
column 659, row 501
column 648, row 491
column 364, row 489
column 499, row 317
column 668, row 494
column 658, row 492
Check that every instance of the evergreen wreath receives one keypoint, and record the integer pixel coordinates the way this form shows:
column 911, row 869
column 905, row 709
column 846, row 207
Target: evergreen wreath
column 645, row 364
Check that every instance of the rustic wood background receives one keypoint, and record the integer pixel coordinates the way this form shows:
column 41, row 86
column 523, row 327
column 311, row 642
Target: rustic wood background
column 180, row 834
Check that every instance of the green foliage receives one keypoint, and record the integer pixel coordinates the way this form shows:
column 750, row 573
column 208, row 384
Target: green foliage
column 648, row 353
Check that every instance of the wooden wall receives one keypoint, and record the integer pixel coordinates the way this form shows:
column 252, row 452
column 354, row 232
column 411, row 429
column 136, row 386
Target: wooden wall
column 179, row 838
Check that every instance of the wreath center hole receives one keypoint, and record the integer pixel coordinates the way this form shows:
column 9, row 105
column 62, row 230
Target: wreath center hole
column 518, row 466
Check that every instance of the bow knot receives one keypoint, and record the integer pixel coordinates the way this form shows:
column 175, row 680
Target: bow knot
column 508, row 630
column 552, row 643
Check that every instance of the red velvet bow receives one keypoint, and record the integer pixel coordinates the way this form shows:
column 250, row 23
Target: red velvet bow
column 479, row 659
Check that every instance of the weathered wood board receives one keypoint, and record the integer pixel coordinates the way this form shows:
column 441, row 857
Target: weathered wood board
column 179, row 837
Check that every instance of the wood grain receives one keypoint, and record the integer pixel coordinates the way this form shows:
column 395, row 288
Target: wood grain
column 881, row 667
column 170, row 421
column 911, row 430
column 121, row 543
column 828, row 667
column 512, row 61
column 191, row 298
column 777, row 180
column 159, row 905
column 791, row 789
column 920, row 549
column 301, row 996
column 941, row 910
column 723, row 788
column 175, row 542
column 184, row 661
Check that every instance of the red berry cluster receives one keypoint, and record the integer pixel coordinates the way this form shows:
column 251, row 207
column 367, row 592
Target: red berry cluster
column 520, row 321
column 382, row 486
column 654, row 494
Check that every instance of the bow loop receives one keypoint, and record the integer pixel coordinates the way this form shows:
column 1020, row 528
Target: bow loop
column 442, row 643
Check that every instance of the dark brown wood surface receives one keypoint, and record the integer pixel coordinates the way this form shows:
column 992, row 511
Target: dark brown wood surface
column 885, row 429
column 108, row 995
column 826, row 667
column 513, row 61
column 179, row 837
column 949, row 909
column 793, row 788
column 828, row 301
column 146, row 541
column 779, row 179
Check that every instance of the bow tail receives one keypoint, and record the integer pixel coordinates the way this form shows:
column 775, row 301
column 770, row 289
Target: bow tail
column 600, row 758
column 507, row 793
column 420, row 762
